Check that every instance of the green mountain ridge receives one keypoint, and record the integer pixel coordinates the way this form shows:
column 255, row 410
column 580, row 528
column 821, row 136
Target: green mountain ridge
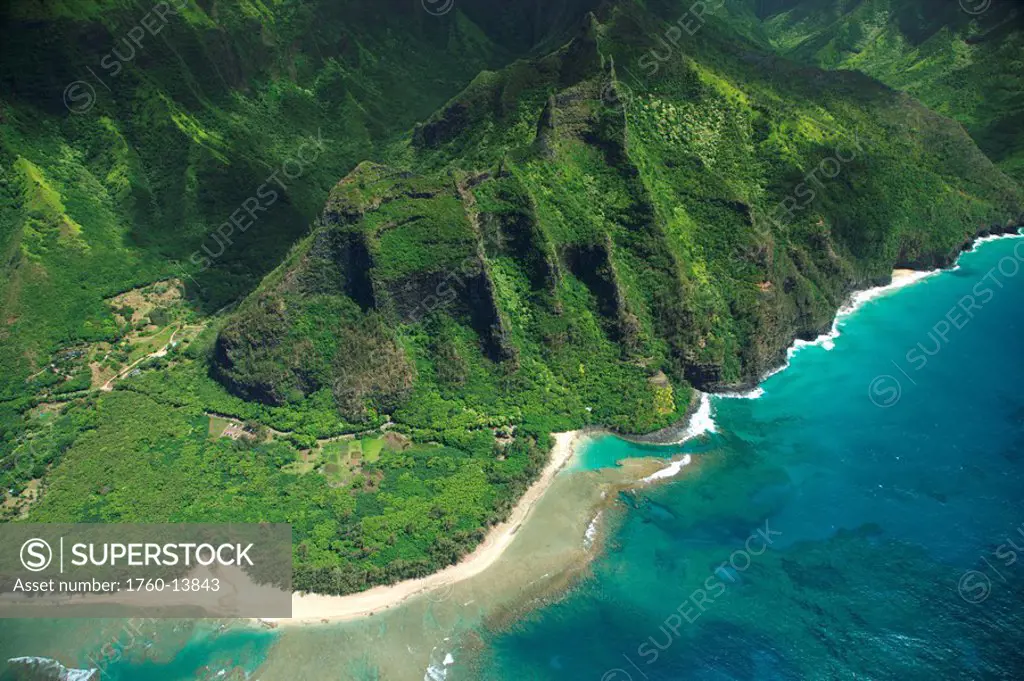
column 962, row 59
column 566, row 237
column 152, row 142
column 680, row 182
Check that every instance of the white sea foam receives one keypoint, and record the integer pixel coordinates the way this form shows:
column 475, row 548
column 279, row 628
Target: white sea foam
column 992, row 237
column 435, row 673
column 63, row 673
column 984, row 240
column 857, row 300
column 591, row 534
column 438, row 670
column 669, row 471
column 702, row 422
column 747, row 395
column 827, row 341
column 435, row 670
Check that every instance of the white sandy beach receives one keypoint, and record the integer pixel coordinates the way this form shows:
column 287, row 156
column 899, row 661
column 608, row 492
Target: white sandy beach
column 314, row 608
column 900, row 276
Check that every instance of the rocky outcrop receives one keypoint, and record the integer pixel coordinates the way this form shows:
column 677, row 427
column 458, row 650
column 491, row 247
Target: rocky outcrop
column 592, row 264
column 543, row 143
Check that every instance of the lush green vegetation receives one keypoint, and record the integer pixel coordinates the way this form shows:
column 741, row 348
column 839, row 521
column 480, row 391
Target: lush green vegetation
column 968, row 66
column 162, row 142
column 135, row 458
column 581, row 237
column 647, row 223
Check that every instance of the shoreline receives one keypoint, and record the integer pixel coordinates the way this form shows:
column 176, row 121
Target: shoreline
column 698, row 410
column 312, row 609
column 901, row 277
column 320, row 609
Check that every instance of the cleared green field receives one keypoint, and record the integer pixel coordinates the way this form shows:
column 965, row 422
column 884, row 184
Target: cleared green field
column 342, row 459
column 372, row 448
column 150, row 344
column 217, row 425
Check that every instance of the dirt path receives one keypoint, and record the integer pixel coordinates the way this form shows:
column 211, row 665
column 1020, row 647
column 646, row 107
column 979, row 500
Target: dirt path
column 162, row 352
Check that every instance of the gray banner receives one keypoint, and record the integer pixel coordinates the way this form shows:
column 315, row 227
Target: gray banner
column 154, row 571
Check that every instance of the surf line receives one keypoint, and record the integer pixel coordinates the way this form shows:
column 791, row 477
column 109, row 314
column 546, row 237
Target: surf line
column 902, row 278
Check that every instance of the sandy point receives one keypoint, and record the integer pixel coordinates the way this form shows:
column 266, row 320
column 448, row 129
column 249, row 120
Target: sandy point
column 902, row 275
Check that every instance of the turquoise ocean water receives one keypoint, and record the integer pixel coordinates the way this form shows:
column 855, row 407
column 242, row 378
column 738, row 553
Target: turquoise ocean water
column 858, row 520
column 134, row 650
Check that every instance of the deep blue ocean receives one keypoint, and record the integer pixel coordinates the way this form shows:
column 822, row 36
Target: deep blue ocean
column 860, row 520
column 863, row 518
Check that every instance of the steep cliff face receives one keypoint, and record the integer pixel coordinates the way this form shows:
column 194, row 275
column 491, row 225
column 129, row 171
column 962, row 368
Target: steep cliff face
column 153, row 125
column 140, row 138
column 584, row 212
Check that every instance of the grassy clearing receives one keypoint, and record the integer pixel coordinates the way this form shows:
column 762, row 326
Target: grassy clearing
column 341, row 461
column 147, row 345
column 217, row 425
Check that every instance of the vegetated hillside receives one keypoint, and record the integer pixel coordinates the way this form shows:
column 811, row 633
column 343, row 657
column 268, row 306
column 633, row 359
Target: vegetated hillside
column 574, row 239
column 132, row 135
column 557, row 215
column 460, row 295
column 963, row 59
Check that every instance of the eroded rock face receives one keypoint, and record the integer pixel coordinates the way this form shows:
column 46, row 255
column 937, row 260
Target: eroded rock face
column 444, row 127
column 393, row 249
column 556, row 216
column 592, row 264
